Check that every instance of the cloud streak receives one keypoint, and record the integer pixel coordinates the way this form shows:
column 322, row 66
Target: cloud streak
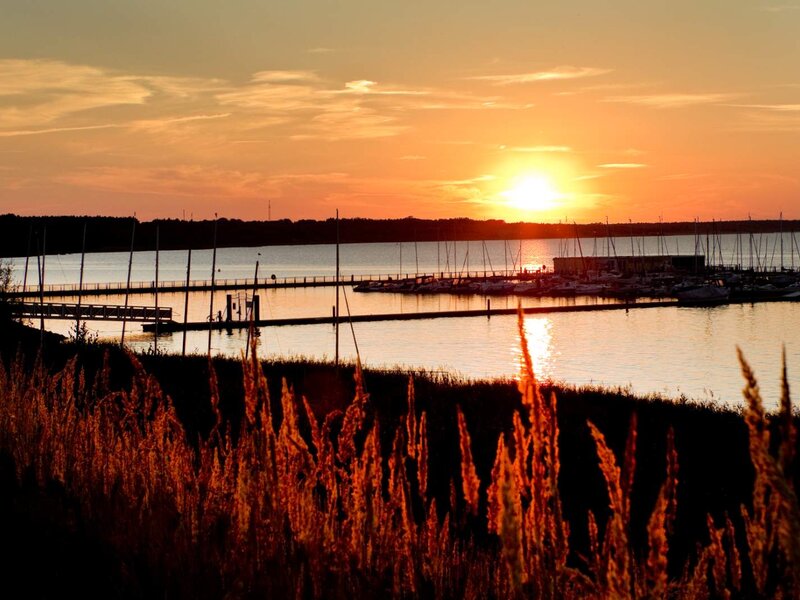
column 560, row 73
column 672, row 100
column 622, row 166
column 535, row 149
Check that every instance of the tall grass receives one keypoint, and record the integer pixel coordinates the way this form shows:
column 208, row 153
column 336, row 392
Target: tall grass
column 294, row 504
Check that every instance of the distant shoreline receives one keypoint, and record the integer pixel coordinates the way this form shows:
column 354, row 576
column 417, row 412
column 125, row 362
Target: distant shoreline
column 23, row 236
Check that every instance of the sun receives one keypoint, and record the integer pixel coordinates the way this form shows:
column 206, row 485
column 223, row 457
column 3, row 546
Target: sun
column 533, row 193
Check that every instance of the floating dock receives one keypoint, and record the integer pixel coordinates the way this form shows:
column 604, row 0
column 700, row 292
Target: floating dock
column 171, row 326
column 165, row 327
column 90, row 312
column 150, row 287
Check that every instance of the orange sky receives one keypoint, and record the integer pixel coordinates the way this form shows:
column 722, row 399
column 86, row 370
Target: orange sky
column 578, row 111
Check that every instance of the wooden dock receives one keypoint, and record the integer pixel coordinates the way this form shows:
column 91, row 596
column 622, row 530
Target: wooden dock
column 329, row 320
column 149, row 287
column 171, row 326
column 90, row 312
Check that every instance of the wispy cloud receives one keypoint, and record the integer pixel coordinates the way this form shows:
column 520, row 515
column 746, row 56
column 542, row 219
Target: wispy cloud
column 27, row 132
column 622, row 166
column 682, row 176
column 554, row 74
column 365, row 86
column 781, row 8
column 196, row 181
column 768, row 121
column 465, row 182
column 537, row 148
column 39, row 92
column 771, row 107
column 355, row 123
column 672, row 100
column 280, row 76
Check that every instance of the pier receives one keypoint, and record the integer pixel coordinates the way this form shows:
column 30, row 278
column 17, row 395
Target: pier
column 330, row 320
column 90, row 312
column 172, row 326
column 202, row 285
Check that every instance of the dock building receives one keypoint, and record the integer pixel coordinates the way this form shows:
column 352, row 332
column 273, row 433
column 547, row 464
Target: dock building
column 579, row 265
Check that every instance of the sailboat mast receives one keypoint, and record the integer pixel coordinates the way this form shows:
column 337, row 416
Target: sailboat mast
column 27, row 258
column 186, row 302
column 155, row 290
column 41, row 284
column 128, row 285
column 336, row 310
column 213, row 281
column 80, row 283
column 251, row 327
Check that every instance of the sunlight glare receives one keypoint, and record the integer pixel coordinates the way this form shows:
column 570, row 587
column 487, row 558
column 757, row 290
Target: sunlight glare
column 540, row 345
column 534, row 193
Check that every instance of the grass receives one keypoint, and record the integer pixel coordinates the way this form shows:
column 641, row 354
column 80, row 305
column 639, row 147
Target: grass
column 183, row 478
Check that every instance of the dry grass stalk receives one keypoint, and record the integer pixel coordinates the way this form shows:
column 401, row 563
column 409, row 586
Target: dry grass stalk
column 510, row 522
column 654, row 584
column 773, row 527
column 470, row 484
column 616, row 562
column 289, row 507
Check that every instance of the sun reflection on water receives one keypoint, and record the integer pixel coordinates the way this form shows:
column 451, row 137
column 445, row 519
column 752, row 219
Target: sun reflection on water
column 540, row 346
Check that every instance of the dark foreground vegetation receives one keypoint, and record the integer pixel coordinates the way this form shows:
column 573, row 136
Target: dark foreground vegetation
column 156, row 476
column 24, row 236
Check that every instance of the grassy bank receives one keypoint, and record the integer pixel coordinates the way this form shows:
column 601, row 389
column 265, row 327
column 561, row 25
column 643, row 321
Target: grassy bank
column 239, row 487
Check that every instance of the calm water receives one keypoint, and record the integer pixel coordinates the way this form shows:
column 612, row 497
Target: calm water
column 674, row 351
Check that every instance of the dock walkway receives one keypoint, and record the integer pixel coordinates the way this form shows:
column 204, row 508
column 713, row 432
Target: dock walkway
column 171, row 326
column 89, row 312
column 329, row 320
column 204, row 285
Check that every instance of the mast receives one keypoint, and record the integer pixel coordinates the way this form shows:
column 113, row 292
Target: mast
column 438, row 265
column 27, row 257
column 41, row 284
column 400, row 276
column 213, row 281
column 336, row 310
column 128, row 284
column 186, row 302
column 155, row 289
column 80, row 283
column 416, row 252
column 781, row 241
column 252, row 310
column 580, row 249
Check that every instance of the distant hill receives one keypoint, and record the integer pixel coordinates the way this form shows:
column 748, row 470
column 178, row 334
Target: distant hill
column 20, row 235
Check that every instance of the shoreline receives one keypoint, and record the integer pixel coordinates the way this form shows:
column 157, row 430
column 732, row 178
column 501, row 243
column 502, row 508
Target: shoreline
column 113, row 234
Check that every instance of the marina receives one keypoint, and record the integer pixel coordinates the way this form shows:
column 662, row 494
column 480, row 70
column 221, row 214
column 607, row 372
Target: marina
column 471, row 333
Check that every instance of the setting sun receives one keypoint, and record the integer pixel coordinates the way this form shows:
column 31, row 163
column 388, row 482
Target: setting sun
column 534, row 193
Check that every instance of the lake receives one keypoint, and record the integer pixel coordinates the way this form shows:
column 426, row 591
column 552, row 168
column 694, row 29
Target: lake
column 673, row 351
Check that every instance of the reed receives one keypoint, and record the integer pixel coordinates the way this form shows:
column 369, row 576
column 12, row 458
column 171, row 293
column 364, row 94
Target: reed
column 290, row 503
